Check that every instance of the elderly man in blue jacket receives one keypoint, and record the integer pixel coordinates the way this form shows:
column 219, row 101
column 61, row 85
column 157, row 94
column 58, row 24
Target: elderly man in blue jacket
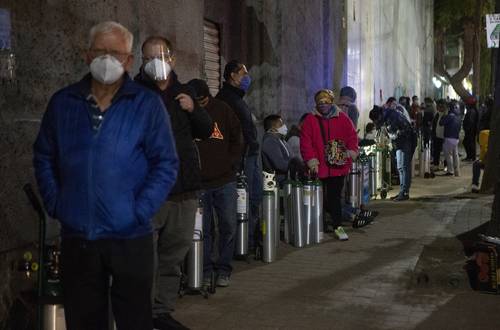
column 105, row 161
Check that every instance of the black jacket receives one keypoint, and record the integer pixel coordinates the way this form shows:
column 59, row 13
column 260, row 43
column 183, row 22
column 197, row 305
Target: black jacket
column 186, row 127
column 233, row 96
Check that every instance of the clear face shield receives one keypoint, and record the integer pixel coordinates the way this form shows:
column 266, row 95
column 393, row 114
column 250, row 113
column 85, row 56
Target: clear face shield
column 158, row 62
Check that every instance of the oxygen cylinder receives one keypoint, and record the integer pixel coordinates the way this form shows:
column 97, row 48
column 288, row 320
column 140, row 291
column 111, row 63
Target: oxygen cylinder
column 354, row 185
column 287, row 203
column 242, row 206
column 53, row 317
column 297, row 214
column 373, row 175
column 386, row 168
column 378, row 168
column 53, row 311
column 268, row 227
column 317, row 211
column 277, row 217
column 308, row 210
column 195, row 254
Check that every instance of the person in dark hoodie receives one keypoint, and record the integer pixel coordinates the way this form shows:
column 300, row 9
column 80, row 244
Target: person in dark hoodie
column 347, row 103
column 174, row 223
column 451, row 123
column 403, row 139
column 236, row 84
column 275, row 151
column 220, row 155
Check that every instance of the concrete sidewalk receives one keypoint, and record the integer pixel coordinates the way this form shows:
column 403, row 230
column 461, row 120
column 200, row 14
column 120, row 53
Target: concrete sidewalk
column 402, row 272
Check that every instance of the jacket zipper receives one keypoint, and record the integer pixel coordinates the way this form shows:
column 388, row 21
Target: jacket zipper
column 90, row 173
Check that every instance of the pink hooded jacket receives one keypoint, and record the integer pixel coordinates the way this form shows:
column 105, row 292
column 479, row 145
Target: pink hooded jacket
column 336, row 126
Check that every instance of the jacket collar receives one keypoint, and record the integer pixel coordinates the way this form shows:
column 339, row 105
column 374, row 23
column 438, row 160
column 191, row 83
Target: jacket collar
column 335, row 112
column 128, row 87
column 233, row 89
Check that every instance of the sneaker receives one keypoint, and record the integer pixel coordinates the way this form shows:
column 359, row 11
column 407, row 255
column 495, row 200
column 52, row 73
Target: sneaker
column 448, row 174
column 167, row 322
column 223, row 281
column 402, row 198
column 474, row 188
column 341, row 234
column 490, row 239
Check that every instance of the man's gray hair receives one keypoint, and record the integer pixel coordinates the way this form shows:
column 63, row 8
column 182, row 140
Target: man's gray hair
column 109, row 27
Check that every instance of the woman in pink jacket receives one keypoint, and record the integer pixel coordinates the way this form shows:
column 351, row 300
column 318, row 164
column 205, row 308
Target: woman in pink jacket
column 328, row 144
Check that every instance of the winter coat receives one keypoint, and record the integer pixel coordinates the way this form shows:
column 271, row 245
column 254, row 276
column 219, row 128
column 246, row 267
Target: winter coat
column 471, row 120
column 276, row 155
column 451, row 124
column 220, row 154
column 105, row 181
column 233, row 96
column 312, row 146
column 186, row 127
column 399, row 128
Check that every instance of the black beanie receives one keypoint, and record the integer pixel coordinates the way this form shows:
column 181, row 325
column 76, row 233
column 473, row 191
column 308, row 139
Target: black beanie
column 200, row 88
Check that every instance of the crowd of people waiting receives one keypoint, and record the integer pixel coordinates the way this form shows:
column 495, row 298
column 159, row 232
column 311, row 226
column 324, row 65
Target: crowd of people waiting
column 120, row 163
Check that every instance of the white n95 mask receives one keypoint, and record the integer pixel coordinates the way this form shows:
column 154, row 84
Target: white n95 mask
column 157, row 69
column 106, row 69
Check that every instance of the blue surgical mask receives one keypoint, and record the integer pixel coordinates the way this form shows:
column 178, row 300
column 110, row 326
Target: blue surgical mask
column 245, row 82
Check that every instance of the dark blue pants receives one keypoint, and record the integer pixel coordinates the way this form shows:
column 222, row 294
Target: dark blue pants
column 222, row 201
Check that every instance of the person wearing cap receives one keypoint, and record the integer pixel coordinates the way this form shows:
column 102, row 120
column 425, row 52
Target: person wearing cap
column 328, row 144
column 347, row 103
column 451, row 124
column 470, row 126
column 220, row 155
column 174, row 223
column 404, row 141
column 276, row 154
column 236, row 84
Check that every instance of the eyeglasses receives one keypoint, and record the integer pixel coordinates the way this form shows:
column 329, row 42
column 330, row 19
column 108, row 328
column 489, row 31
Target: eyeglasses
column 122, row 57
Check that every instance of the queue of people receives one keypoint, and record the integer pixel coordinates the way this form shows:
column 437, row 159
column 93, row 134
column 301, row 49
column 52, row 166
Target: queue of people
column 123, row 165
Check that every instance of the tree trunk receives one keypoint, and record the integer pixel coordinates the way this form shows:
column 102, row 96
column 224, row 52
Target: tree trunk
column 491, row 178
column 439, row 67
column 476, row 78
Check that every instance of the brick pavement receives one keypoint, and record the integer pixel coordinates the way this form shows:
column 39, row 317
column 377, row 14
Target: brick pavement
column 370, row 281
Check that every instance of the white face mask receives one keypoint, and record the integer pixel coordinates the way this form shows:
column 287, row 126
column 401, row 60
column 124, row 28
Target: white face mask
column 106, row 69
column 283, row 130
column 157, row 69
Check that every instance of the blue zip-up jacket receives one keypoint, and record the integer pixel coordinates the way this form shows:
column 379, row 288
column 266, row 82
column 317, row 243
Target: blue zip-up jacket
column 451, row 123
column 105, row 182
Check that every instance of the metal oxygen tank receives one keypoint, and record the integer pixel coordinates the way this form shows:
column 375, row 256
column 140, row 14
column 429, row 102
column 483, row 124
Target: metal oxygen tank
column 287, row 208
column 427, row 160
column 378, row 168
column 268, row 224
column 297, row 214
column 354, row 197
column 308, row 209
column 195, row 254
column 317, row 211
column 277, row 216
column 373, row 175
column 242, row 207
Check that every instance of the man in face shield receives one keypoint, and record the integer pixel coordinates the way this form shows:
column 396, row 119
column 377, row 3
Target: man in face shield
column 174, row 224
column 104, row 179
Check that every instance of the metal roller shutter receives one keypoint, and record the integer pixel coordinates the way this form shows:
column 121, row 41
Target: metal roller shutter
column 212, row 60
